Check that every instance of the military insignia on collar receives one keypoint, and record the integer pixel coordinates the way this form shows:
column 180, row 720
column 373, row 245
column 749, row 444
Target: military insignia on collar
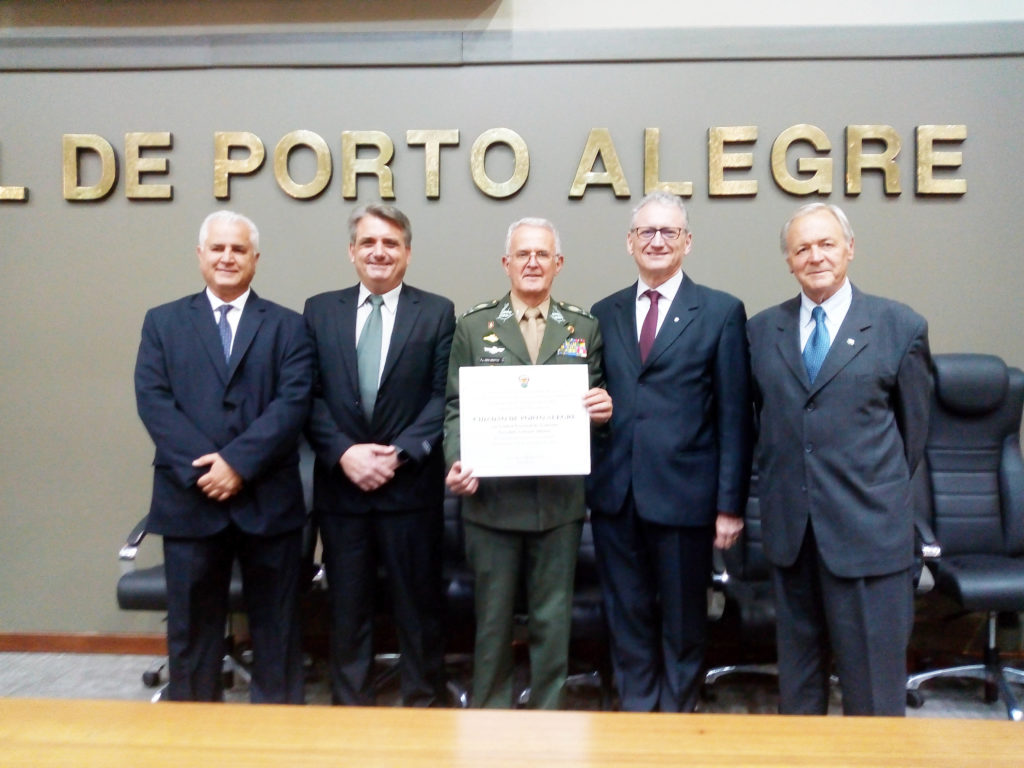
column 490, row 338
column 555, row 315
column 506, row 313
column 573, row 347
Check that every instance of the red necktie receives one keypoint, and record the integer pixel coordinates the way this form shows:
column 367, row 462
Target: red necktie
column 650, row 326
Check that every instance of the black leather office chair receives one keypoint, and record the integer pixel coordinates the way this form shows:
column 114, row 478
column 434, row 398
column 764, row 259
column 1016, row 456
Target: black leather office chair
column 742, row 575
column 590, row 661
column 145, row 589
column 976, row 476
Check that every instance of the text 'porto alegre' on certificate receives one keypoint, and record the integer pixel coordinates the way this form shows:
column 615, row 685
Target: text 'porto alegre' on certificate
column 518, row 420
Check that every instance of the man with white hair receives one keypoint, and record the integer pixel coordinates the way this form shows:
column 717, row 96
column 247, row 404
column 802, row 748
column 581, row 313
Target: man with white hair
column 222, row 382
column 523, row 529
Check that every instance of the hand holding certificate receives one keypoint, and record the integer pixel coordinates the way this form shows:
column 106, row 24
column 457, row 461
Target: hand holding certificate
column 521, row 420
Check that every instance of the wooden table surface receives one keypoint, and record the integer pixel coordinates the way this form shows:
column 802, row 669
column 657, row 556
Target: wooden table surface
column 108, row 734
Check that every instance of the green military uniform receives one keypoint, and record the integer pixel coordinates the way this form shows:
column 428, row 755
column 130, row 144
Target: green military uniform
column 535, row 521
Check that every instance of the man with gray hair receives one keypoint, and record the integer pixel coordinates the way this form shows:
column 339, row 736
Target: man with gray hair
column 223, row 382
column 378, row 481
column 523, row 529
column 671, row 478
column 842, row 386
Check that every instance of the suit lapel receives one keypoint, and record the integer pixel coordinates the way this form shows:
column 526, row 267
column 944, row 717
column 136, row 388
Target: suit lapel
column 405, row 320
column 556, row 331
column 681, row 313
column 206, row 330
column 852, row 338
column 343, row 323
column 506, row 328
column 623, row 325
column 248, row 325
column 788, row 343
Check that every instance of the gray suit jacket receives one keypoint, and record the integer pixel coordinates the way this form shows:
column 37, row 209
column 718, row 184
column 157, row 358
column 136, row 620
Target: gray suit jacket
column 841, row 452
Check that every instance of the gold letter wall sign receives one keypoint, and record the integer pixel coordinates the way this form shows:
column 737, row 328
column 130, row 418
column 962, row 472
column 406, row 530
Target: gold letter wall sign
column 801, row 163
column 599, row 146
column 928, row 159
column 225, row 166
column 74, row 146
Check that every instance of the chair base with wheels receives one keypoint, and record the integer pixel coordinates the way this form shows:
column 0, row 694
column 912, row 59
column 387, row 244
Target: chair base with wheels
column 996, row 676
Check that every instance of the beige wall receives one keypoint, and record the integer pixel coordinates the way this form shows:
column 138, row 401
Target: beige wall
column 76, row 278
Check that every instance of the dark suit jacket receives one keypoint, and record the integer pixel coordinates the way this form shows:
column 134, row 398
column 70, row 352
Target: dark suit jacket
column 410, row 400
column 841, row 452
column 681, row 425
column 251, row 411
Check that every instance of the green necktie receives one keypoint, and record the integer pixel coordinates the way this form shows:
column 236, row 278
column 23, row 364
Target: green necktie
column 368, row 356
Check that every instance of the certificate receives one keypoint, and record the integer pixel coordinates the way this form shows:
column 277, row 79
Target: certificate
column 524, row 420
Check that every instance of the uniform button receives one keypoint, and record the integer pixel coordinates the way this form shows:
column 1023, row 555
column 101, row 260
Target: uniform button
column 809, row 448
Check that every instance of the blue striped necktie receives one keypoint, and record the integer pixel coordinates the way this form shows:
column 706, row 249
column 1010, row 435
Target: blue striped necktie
column 816, row 347
column 225, row 330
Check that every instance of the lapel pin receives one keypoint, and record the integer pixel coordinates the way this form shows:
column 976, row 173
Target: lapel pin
column 675, row 319
column 850, row 342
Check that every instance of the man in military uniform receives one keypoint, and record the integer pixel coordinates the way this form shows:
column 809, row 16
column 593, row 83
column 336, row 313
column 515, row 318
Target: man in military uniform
column 523, row 523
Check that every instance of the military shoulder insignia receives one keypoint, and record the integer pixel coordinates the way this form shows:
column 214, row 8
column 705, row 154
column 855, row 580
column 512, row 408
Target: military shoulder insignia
column 481, row 305
column 573, row 347
column 573, row 308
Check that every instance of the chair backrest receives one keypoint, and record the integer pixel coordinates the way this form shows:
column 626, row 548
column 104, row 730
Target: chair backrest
column 973, row 455
column 746, row 560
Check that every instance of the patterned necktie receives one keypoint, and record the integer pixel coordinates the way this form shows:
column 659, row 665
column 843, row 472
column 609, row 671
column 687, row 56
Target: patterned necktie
column 650, row 327
column 816, row 347
column 533, row 333
column 368, row 355
column 225, row 330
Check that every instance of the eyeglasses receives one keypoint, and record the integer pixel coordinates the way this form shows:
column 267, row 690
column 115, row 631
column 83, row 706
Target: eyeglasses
column 524, row 256
column 667, row 233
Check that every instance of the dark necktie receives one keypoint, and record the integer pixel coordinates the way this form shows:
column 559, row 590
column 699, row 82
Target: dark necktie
column 225, row 330
column 650, row 327
column 816, row 347
column 368, row 355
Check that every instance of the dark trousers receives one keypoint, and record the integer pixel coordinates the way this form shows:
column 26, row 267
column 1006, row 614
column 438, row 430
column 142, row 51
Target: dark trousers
column 654, row 579
column 545, row 563
column 408, row 545
column 864, row 624
column 198, row 578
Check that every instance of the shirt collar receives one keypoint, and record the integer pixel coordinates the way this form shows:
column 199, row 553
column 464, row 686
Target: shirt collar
column 238, row 303
column 390, row 298
column 835, row 306
column 668, row 289
column 519, row 307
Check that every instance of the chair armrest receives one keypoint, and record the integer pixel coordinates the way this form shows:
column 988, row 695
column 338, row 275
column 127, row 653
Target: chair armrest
column 931, row 550
column 126, row 555
column 719, row 573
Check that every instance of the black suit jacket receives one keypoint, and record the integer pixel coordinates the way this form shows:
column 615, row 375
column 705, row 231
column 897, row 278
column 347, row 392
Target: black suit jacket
column 680, row 433
column 250, row 410
column 410, row 400
column 841, row 452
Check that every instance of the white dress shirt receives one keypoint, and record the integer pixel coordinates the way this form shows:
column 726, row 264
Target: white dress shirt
column 836, row 306
column 668, row 291
column 234, row 314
